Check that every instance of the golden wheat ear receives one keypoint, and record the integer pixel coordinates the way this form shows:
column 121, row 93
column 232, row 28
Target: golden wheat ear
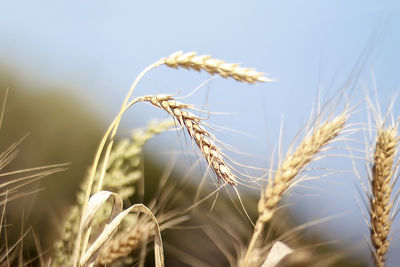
column 292, row 165
column 204, row 140
column 137, row 237
column 295, row 162
column 382, row 182
column 214, row 66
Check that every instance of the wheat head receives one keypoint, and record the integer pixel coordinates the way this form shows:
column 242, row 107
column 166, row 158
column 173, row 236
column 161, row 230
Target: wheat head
column 138, row 233
column 203, row 139
column 125, row 242
column 382, row 185
column 294, row 163
column 287, row 171
column 214, row 66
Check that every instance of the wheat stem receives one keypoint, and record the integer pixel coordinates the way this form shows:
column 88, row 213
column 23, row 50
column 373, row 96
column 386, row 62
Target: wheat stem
column 92, row 176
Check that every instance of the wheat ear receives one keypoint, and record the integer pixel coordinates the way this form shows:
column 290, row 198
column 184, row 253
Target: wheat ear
column 382, row 185
column 295, row 162
column 214, row 66
column 125, row 243
column 203, row 139
column 289, row 169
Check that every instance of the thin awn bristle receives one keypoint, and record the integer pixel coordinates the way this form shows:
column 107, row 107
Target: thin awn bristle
column 295, row 162
column 214, row 66
column 382, row 185
column 203, row 139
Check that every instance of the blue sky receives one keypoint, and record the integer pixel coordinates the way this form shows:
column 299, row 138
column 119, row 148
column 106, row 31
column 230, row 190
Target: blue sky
column 98, row 47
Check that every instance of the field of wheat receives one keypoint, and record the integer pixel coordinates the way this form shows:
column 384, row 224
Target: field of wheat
column 220, row 220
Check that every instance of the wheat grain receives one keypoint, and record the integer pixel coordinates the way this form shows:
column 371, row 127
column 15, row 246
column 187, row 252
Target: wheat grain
column 295, row 162
column 125, row 243
column 214, row 66
column 203, row 139
column 382, row 185
column 137, row 236
column 288, row 170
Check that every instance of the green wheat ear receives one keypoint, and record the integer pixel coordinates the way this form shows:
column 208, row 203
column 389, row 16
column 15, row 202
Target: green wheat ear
column 122, row 172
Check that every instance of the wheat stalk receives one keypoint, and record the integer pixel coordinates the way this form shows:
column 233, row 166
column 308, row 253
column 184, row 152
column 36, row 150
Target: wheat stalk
column 214, row 157
column 382, row 185
column 214, row 66
column 203, row 139
column 289, row 169
column 123, row 170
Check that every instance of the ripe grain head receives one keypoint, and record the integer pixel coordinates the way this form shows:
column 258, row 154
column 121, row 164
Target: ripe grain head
column 136, row 237
column 125, row 242
column 291, row 166
column 380, row 198
column 204, row 140
column 295, row 162
column 214, row 66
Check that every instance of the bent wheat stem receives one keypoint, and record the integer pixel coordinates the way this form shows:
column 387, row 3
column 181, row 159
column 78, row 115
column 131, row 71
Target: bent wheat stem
column 92, row 176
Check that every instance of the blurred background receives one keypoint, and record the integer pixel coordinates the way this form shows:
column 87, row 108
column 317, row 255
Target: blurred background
column 69, row 64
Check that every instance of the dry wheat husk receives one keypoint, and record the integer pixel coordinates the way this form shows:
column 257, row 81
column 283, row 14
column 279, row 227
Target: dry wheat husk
column 125, row 243
column 287, row 171
column 380, row 199
column 295, row 162
column 214, row 66
column 203, row 139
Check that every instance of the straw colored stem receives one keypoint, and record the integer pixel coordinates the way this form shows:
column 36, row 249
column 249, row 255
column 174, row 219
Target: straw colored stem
column 111, row 130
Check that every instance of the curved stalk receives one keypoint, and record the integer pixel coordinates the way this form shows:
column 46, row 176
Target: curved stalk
column 110, row 133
